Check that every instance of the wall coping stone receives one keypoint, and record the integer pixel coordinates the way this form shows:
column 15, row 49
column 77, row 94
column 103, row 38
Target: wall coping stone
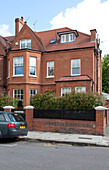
column 29, row 107
column 101, row 108
column 8, row 107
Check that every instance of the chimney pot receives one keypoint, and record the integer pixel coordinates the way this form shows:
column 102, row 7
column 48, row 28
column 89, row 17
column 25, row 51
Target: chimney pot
column 22, row 19
column 93, row 35
column 18, row 25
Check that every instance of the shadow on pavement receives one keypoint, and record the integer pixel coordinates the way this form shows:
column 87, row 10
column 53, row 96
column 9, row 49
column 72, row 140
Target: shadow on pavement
column 9, row 140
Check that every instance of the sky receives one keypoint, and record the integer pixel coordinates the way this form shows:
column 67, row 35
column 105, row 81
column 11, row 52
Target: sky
column 82, row 15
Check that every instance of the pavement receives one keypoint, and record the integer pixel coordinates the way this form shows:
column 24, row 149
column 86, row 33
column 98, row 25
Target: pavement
column 68, row 138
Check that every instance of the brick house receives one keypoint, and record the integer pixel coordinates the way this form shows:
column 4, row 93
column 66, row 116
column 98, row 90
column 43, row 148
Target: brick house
column 62, row 60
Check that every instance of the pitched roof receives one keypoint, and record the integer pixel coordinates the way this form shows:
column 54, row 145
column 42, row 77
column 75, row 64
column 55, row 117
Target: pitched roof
column 82, row 41
column 44, row 37
column 74, row 78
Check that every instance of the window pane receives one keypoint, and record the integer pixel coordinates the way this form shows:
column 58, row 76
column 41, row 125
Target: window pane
column 8, row 68
column 32, row 92
column 2, row 117
column 80, row 89
column 32, row 66
column 18, row 70
column 75, row 70
column 18, row 65
column 50, row 68
column 67, row 37
column 65, row 90
column 75, row 67
column 25, row 43
column 18, row 93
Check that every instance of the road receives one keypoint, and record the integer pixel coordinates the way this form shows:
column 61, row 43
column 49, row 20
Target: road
column 27, row 155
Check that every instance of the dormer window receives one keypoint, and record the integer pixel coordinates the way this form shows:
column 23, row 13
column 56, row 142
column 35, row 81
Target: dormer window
column 25, row 43
column 67, row 38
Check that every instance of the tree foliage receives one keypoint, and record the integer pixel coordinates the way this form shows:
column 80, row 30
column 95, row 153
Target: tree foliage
column 73, row 101
column 105, row 74
column 7, row 101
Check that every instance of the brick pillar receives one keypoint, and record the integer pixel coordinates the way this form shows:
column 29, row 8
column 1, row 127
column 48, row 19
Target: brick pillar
column 100, row 126
column 29, row 116
column 8, row 108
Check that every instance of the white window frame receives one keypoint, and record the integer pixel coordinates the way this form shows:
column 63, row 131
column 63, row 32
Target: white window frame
column 31, row 95
column 25, row 43
column 32, row 66
column 65, row 36
column 48, row 76
column 76, row 67
column 63, row 88
column 18, row 94
column 80, row 89
column 8, row 68
column 16, row 75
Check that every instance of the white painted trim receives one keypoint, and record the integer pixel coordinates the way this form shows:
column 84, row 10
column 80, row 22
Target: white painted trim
column 101, row 108
column 20, row 75
column 29, row 107
column 32, row 76
column 8, row 107
column 50, row 77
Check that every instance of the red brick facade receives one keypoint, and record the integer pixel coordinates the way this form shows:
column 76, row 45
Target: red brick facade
column 83, row 48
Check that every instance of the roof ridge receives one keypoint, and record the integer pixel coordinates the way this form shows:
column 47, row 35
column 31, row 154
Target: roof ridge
column 54, row 29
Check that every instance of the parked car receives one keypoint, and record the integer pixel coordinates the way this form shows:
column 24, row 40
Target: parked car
column 12, row 125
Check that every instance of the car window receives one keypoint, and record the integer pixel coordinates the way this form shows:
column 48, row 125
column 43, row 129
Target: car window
column 2, row 118
column 15, row 117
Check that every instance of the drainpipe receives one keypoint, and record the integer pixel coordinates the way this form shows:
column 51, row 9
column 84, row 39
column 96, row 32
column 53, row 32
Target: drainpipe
column 97, row 50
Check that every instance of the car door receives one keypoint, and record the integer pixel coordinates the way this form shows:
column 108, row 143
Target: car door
column 3, row 125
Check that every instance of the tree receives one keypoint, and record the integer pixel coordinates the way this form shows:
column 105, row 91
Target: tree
column 105, row 74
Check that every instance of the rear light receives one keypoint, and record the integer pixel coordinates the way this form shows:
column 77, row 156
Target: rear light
column 11, row 126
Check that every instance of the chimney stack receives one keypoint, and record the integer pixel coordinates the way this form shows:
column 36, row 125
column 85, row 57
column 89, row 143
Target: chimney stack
column 93, row 35
column 18, row 25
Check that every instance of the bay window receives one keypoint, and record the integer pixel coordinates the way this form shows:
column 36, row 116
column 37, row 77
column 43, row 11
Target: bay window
column 17, row 65
column 18, row 93
column 32, row 66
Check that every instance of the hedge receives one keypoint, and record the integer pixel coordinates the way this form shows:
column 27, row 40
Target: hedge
column 73, row 101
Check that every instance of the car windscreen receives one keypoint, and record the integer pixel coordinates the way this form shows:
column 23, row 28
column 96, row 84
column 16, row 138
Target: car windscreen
column 15, row 117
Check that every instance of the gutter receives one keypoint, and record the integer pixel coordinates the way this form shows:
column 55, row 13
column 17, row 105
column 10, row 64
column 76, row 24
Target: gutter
column 69, row 49
column 53, row 50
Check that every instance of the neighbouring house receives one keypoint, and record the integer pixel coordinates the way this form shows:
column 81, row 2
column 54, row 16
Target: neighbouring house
column 61, row 59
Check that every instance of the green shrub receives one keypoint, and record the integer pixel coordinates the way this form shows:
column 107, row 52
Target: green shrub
column 7, row 101
column 75, row 101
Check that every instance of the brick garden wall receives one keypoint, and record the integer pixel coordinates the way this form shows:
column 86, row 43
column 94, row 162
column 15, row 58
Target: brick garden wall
column 96, row 127
column 64, row 126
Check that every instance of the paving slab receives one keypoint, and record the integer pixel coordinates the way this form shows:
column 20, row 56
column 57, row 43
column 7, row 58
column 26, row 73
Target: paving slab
column 67, row 138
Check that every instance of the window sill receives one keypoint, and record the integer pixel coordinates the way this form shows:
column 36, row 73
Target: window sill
column 18, row 76
column 32, row 76
column 75, row 75
column 50, row 77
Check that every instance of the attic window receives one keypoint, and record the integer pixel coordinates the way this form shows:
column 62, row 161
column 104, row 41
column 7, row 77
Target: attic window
column 52, row 41
column 25, row 43
column 65, row 38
